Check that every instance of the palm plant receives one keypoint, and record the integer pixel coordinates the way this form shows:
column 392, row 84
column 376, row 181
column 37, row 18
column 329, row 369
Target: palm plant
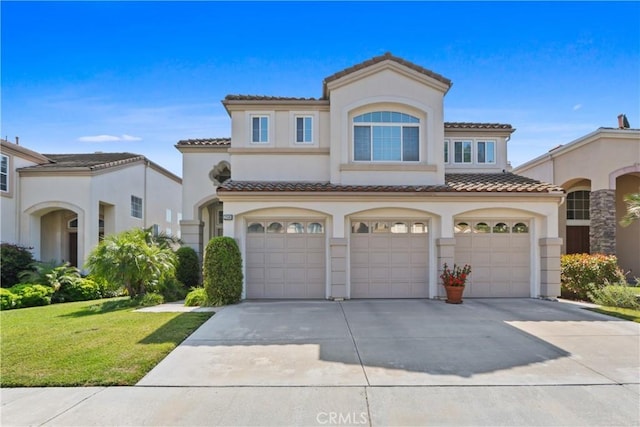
column 131, row 260
column 51, row 274
column 633, row 209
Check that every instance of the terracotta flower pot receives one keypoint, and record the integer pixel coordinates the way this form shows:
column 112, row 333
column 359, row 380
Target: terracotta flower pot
column 454, row 294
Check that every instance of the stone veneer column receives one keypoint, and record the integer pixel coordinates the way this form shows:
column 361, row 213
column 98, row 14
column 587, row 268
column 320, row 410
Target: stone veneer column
column 446, row 247
column 602, row 232
column 338, row 254
column 550, row 251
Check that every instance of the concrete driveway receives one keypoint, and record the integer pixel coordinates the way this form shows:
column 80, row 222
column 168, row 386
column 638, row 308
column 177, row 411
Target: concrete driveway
column 378, row 363
column 404, row 343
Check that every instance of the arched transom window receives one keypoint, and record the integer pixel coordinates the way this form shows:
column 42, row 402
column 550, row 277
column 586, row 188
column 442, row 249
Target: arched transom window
column 386, row 136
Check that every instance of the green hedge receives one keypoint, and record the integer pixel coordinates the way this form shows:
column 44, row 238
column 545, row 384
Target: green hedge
column 581, row 273
column 222, row 271
column 15, row 259
column 197, row 297
column 188, row 268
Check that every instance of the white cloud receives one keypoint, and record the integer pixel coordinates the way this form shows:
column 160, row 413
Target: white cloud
column 577, row 107
column 108, row 138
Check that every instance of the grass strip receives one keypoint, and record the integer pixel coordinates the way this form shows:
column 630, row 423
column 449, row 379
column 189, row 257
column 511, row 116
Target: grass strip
column 622, row 313
column 87, row 343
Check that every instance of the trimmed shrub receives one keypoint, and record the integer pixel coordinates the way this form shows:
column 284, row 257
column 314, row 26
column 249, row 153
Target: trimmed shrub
column 15, row 258
column 581, row 273
column 32, row 295
column 188, row 268
column 222, row 271
column 147, row 300
column 78, row 290
column 8, row 299
column 171, row 289
column 617, row 296
column 197, row 297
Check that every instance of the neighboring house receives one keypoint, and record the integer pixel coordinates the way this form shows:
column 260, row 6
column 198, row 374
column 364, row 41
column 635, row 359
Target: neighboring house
column 61, row 204
column 596, row 171
column 366, row 192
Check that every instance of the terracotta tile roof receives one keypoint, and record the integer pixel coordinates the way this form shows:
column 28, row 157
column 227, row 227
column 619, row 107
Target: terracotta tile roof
column 265, row 98
column 387, row 57
column 497, row 182
column 90, row 161
column 470, row 125
column 455, row 183
column 219, row 142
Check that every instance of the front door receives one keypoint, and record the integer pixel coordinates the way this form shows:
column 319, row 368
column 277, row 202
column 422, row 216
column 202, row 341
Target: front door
column 578, row 239
column 73, row 249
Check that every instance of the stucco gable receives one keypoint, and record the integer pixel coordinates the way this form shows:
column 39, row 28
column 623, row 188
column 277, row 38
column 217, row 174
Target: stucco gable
column 388, row 60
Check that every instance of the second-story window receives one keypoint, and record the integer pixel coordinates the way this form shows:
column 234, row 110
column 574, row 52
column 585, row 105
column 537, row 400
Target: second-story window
column 4, row 173
column 462, row 152
column 304, row 130
column 486, row 151
column 446, row 151
column 260, row 129
column 136, row 207
column 386, row 136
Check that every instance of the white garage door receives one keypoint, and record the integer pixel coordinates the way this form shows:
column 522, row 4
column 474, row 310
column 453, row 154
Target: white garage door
column 499, row 253
column 285, row 259
column 389, row 259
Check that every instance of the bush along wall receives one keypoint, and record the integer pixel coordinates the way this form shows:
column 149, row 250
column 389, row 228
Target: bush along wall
column 188, row 268
column 582, row 273
column 222, row 271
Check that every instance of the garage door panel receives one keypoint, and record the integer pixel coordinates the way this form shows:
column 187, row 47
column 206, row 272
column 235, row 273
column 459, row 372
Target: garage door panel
column 286, row 265
column 379, row 258
column 500, row 259
column 379, row 242
column 274, row 243
column 315, row 258
column 254, row 242
column 400, row 274
column 275, row 258
column 296, row 258
column 389, row 265
column 400, row 258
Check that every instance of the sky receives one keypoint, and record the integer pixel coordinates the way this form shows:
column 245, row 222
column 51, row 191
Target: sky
column 81, row 77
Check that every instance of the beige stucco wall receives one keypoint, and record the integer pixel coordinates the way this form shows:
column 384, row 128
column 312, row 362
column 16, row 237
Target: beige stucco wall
column 592, row 157
column 387, row 88
column 628, row 238
column 10, row 201
column 87, row 194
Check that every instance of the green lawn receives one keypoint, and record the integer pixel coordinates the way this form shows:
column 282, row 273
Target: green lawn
column 622, row 313
column 87, row 343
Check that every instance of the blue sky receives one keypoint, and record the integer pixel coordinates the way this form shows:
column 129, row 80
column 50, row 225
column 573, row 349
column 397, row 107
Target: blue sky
column 139, row 76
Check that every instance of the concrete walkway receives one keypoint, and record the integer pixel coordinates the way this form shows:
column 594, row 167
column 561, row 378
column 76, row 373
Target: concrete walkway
column 410, row 362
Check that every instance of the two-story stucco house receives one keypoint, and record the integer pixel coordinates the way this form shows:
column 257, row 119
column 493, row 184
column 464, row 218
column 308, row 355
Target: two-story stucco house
column 366, row 192
column 61, row 204
column 597, row 171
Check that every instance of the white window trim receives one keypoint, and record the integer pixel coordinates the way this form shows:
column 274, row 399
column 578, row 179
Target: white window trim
column 315, row 133
column 495, row 151
column 576, row 222
column 453, row 158
column 141, row 207
column 418, row 125
column 270, row 122
column 447, row 144
column 8, row 174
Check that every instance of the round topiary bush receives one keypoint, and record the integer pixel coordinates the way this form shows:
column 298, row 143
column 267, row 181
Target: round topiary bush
column 188, row 268
column 222, row 271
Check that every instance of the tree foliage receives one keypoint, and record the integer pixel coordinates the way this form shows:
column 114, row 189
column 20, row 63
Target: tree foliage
column 132, row 260
column 188, row 268
column 633, row 209
column 222, row 271
column 15, row 259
